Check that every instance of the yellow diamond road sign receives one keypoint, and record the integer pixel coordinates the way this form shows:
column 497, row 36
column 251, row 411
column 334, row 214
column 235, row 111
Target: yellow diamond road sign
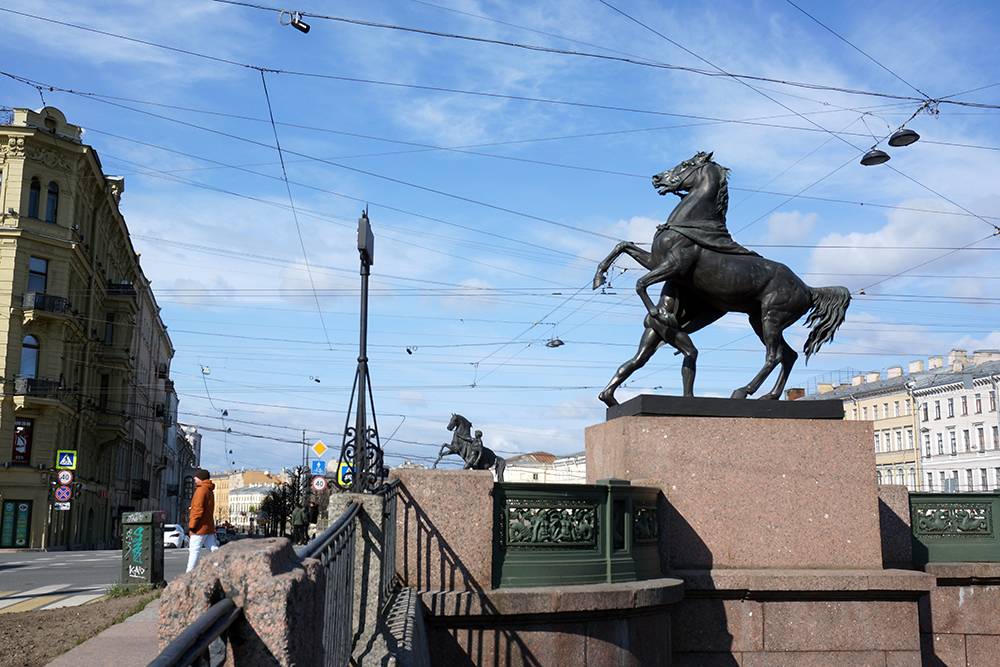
column 319, row 448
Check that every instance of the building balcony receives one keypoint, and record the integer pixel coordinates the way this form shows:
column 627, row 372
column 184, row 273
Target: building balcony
column 36, row 387
column 121, row 289
column 43, row 302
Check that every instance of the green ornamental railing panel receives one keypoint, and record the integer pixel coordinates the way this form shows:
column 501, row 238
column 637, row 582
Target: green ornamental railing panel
column 548, row 534
column 955, row 527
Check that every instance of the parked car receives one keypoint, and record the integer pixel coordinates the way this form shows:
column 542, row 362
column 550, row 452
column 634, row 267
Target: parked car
column 175, row 535
column 220, row 535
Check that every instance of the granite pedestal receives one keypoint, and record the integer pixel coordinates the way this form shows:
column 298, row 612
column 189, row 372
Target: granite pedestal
column 773, row 523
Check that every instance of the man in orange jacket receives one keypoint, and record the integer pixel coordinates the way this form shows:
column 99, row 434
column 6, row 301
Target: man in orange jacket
column 202, row 517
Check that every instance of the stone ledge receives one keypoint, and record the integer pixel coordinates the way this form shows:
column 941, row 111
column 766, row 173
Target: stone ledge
column 699, row 406
column 830, row 582
column 616, row 598
column 965, row 573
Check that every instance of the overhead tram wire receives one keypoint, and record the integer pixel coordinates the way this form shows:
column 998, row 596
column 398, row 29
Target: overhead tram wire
column 295, row 215
column 841, row 38
column 511, row 44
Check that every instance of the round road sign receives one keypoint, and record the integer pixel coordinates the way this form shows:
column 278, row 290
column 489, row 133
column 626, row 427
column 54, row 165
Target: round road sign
column 65, row 476
column 63, row 493
column 319, row 483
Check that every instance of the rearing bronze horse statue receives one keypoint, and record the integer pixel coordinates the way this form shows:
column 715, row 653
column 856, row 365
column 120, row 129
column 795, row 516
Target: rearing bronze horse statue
column 706, row 274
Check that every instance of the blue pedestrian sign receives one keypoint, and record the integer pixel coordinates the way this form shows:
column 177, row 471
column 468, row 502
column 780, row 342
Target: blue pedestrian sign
column 66, row 459
column 319, row 468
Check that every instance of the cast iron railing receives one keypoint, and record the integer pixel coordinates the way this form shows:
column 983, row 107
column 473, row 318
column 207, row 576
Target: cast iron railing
column 42, row 301
column 389, row 491
column 335, row 550
column 551, row 534
column 955, row 527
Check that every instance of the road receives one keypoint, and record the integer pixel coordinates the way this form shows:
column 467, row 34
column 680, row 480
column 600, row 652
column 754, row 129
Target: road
column 47, row 580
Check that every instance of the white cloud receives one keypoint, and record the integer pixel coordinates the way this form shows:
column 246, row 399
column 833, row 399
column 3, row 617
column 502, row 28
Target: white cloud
column 789, row 226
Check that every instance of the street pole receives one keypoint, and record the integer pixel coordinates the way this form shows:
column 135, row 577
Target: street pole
column 361, row 449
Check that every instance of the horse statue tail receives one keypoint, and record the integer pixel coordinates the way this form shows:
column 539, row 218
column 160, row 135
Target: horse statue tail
column 829, row 306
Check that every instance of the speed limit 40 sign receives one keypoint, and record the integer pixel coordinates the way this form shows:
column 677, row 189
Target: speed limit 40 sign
column 319, row 483
column 65, row 476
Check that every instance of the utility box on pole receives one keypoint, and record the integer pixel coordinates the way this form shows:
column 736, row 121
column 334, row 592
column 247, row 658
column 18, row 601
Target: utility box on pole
column 142, row 548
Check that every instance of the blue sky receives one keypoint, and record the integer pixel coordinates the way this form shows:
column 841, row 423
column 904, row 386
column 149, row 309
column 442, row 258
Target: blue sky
column 496, row 176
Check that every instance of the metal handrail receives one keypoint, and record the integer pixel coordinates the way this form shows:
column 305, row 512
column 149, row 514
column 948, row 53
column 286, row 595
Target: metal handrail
column 194, row 642
column 388, row 491
column 324, row 539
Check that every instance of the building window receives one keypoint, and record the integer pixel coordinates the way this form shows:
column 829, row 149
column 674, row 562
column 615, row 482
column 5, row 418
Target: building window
column 909, row 438
column 969, row 484
column 877, row 445
column 854, row 414
column 996, row 438
column 925, row 411
column 965, row 405
column 984, row 479
column 109, row 329
column 993, row 401
column 966, row 441
column 911, row 479
column 951, row 407
column 30, row 353
column 34, row 195
column 927, row 445
column 895, row 408
column 885, row 411
column 944, row 486
column 909, row 408
column 937, row 409
column 900, row 479
column 982, row 438
column 864, row 413
column 52, row 203
column 38, row 271
column 979, row 403
column 878, row 476
column 940, row 439
column 102, row 401
column 930, row 481
column 954, row 442
column 899, row 440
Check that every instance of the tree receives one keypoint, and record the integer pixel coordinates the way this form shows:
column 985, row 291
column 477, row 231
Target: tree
column 282, row 499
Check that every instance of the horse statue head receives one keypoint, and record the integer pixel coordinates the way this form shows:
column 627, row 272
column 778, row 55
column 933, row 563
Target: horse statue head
column 700, row 172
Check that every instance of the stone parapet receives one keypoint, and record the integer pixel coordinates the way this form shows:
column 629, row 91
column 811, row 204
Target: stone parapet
column 281, row 596
column 748, row 492
column 626, row 625
column 959, row 624
column 799, row 617
column 444, row 529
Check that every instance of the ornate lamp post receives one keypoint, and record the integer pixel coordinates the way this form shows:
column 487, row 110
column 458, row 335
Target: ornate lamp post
column 362, row 451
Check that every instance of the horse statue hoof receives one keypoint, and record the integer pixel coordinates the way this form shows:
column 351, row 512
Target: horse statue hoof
column 739, row 393
column 599, row 280
column 608, row 399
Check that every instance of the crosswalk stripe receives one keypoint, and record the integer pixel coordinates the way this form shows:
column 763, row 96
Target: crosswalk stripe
column 20, row 596
column 28, row 605
column 74, row 601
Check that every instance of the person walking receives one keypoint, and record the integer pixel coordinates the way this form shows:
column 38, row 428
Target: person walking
column 201, row 520
column 299, row 525
column 312, row 514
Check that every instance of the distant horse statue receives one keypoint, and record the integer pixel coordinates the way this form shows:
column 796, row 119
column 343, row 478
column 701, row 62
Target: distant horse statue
column 706, row 274
column 470, row 448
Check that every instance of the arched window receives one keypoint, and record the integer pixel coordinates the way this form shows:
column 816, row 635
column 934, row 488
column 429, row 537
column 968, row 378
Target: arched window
column 34, row 194
column 29, row 357
column 52, row 203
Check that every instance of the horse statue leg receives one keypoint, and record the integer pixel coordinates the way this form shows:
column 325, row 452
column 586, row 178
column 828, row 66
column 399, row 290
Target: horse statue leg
column 769, row 330
column 623, row 248
column 441, row 454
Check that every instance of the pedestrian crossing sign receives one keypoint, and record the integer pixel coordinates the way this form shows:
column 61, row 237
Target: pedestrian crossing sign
column 346, row 469
column 66, row 459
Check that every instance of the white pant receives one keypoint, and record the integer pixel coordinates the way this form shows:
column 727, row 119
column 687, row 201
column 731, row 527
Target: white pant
column 194, row 552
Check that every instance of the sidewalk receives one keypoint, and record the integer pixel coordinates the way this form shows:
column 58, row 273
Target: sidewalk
column 131, row 643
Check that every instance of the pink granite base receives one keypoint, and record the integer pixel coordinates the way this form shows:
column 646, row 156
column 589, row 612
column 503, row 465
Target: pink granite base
column 281, row 596
column 751, row 493
column 959, row 620
column 799, row 617
column 444, row 529
column 625, row 625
